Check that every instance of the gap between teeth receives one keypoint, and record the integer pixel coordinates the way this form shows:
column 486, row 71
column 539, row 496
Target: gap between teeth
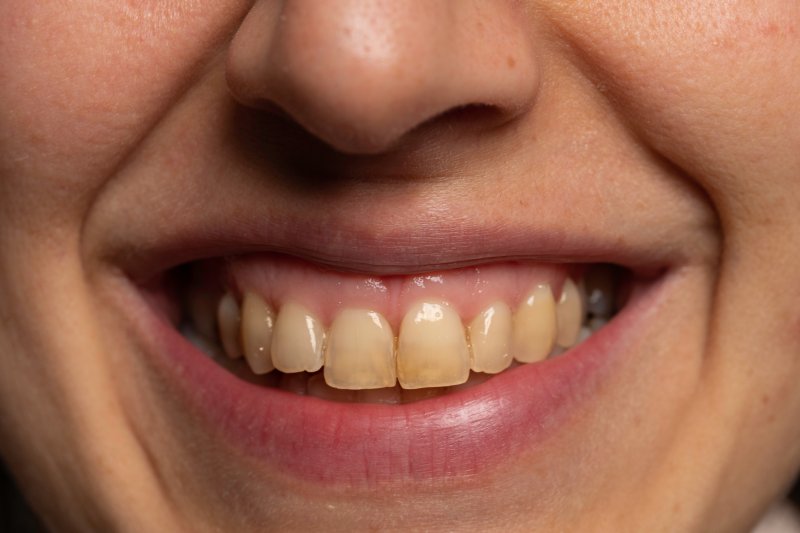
column 433, row 348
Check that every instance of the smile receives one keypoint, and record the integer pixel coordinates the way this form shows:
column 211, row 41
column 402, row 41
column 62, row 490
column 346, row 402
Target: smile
column 350, row 337
column 338, row 376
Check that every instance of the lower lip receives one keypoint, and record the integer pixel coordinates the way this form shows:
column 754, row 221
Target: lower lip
column 459, row 434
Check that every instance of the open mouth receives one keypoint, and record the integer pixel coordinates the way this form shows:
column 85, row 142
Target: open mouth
column 349, row 337
column 342, row 377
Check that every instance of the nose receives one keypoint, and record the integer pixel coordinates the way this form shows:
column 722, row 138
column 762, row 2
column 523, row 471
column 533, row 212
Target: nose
column 361, row 74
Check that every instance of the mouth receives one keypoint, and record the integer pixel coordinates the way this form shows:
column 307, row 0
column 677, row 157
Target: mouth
column 340, row 376
column 350, row 337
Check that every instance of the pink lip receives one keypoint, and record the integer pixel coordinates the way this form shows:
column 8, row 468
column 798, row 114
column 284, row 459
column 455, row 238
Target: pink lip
column 455, row 435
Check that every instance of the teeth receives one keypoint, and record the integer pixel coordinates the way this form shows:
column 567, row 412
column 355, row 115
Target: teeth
column 432, row 349
column 599, row 283
column 228, row 319
column 360, row 351
column 490, row 337
column 433, row 353
column 297, row 340
column 535, row 326
column 258, row 320
column 569, row 314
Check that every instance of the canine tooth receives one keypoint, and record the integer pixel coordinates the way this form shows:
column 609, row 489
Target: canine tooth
column 432, row 349
column 569, row 314
column 318, row 388
column 258, row 320
column 535, row 326
column 360, row 351
column 599, row 285
column 228, row 318
column 490, row 338
column 297, row 340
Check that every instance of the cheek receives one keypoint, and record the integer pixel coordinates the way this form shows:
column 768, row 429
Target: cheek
column 709, row 87
column 85, row 82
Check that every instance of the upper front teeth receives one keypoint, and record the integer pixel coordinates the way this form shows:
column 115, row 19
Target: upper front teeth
column 490, row 338
column 432, row 348
column 297, row 340
column 360, row 351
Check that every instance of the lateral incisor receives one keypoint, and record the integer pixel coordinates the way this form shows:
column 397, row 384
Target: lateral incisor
column 490, row 338
column 360, row 351
column 432, row 348
column 297, row 340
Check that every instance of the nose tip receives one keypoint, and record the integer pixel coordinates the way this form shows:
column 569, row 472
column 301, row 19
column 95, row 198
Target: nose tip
column 361, row 74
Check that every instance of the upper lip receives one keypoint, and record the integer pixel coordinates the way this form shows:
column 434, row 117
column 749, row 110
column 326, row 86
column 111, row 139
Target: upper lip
column 414, row 247
column 233, row 202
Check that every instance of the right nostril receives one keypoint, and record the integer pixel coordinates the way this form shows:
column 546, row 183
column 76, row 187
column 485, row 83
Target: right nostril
column 469, row 116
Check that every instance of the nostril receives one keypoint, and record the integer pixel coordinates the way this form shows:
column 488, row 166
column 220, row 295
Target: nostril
column 468, row 117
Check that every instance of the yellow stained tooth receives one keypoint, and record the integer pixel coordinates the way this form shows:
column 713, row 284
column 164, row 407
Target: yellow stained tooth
column 569, row 314
column 258, row 320
column 490, row 338
column 432, row 348
column 297, row 340
column 360, row 351
column 228, row 319
column 534, row 326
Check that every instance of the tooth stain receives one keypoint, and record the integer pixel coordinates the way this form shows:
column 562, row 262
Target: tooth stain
column 432, row 348
column 433, row 351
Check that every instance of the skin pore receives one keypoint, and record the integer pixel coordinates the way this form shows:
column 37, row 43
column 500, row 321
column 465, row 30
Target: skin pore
column 391, row 138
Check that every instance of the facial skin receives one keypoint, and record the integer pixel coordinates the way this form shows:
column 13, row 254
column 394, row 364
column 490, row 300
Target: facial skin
column 669, row 128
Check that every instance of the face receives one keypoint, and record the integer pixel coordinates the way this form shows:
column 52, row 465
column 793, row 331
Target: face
column 356, row 193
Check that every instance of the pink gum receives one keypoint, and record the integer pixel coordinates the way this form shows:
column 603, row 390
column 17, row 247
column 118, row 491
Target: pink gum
column 325, row 292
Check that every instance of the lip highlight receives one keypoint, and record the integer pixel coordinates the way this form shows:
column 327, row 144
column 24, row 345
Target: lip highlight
column 455, row 435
